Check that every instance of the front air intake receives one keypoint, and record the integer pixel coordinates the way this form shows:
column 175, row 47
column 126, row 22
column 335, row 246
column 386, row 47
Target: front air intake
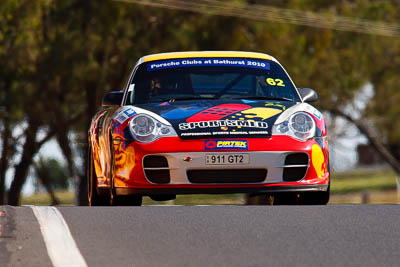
column 156, row 169
column 230, row 176
column 155, row 162
column 295, row 168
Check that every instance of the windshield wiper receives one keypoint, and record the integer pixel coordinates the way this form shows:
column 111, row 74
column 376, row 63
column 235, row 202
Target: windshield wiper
column 266, row 98
column 230, row 85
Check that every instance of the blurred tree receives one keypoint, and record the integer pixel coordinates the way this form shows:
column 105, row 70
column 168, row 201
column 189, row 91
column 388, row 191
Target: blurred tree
column 340, row 64
column 52, row 176
column 16, row 58
column 58, row 173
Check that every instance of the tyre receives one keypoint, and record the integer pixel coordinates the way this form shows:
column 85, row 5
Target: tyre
column 316, row 198
column 129, row 200
column 94, row 198
column 291, row 198
column 304, row 198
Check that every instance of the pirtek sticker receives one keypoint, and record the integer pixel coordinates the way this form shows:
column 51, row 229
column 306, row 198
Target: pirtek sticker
column 222, row 123
column 226, row 144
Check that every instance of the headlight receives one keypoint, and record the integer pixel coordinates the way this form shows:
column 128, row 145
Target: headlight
column 300, row 126
column 146, row 129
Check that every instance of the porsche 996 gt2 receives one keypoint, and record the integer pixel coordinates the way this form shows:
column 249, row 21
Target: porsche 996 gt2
column 208, row 123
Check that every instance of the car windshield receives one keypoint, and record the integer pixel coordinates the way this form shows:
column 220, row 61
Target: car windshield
column 209, row 78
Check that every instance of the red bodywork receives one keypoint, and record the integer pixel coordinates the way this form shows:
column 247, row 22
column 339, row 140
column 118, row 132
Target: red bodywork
column 128, row 158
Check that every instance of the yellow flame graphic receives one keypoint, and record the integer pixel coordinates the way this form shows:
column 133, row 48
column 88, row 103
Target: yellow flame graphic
column 260, row 112
column 318, row 160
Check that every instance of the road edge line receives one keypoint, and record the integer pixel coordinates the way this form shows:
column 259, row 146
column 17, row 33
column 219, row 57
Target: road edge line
column 60, row 244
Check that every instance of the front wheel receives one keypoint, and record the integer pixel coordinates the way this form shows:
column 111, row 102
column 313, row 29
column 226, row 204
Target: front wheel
column 289, row 198
column 129, row 200
column 316, row 198
column 303, row 198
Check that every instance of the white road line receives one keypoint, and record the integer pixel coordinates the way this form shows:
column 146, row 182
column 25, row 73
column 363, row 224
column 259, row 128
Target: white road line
column 61, row 246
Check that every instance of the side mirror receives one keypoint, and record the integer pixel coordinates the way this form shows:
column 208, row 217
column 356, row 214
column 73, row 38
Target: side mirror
column 308, row 94
column 113, row 98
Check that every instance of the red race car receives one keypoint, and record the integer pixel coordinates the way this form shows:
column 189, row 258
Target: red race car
column 208, row 123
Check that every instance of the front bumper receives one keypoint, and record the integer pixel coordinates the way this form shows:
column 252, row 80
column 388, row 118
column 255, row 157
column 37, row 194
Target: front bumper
column 268, row 154
column 225, row 190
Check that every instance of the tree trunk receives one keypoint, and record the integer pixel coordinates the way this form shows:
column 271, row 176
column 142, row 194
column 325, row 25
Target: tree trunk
column 375, row 142
column 5, row 158
column 63, row 141
column 43, row 175
column 30, row 148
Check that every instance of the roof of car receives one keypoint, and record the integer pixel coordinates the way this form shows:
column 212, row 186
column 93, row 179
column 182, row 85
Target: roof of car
column 199, row 54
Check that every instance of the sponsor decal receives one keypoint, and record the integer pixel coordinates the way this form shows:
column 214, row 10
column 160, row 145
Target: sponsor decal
column 310, row 109
column 276, row 105
column 275, row 82
column 262, row 113
column 229, row 120
column 317, row 114
column 192, row 62
column 226, row 144
column 124, row 114
column 223, row 123
column 217, row 112
column 227, row 133
column 249, row 101
column 220, row 119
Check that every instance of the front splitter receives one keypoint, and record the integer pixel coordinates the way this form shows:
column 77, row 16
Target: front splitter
column 247, row 190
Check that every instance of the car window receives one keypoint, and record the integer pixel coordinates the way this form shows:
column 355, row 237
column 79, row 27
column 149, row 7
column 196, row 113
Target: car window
column 166, row 80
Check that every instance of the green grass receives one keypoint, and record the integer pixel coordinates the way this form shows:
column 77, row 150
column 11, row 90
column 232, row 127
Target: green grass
column 362, row 180
column 350, row 182
column 65, row 198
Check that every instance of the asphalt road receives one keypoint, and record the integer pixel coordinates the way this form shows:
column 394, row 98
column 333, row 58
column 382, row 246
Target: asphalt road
column 363, row 235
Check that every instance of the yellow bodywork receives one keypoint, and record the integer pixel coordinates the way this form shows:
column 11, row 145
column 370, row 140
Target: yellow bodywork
column 232, row 54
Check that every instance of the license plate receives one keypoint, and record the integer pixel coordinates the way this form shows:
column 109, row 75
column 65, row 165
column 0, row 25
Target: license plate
column 227, row 159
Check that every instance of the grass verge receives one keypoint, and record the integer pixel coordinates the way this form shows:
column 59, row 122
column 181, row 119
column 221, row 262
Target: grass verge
column 361, row 180
column 65, row 198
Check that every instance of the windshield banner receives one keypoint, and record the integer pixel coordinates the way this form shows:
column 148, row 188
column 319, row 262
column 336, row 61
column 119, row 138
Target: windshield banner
column 193, row 62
